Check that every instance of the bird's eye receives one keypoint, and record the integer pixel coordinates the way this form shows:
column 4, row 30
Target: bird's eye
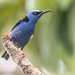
column 36, row 13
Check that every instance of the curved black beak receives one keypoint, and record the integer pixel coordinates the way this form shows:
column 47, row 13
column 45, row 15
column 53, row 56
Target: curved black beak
column 43, row 12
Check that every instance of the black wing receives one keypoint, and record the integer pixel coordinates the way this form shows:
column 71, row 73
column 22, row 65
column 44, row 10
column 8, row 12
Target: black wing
column 17, row 24
column 25, row 20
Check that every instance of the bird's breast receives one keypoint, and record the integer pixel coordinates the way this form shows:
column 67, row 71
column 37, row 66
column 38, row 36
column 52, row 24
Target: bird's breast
column 21, row 35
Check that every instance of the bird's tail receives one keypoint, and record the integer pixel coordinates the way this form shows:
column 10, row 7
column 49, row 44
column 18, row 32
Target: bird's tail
column 5, row 55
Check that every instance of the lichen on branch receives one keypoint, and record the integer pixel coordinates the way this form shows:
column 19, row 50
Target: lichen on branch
column 17, row 56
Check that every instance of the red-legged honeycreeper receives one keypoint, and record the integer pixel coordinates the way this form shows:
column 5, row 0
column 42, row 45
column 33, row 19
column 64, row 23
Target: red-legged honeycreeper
column 24, row 29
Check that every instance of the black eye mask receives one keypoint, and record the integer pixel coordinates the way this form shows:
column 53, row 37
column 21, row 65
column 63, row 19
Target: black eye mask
column 36, row 13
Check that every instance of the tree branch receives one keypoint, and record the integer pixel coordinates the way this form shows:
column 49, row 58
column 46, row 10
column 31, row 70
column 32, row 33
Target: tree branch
column 19, row 59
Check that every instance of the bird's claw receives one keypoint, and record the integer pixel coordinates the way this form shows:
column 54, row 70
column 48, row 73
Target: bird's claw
column 7, row 37
column 23, row 53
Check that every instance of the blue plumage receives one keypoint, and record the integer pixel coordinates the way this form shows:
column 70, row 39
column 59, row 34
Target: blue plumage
column 21, row 34
column 24, row 29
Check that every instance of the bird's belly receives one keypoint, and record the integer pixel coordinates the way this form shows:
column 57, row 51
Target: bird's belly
column 20, row 39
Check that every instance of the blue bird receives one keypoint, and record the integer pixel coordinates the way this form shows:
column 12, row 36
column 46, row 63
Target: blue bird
column 24, row 29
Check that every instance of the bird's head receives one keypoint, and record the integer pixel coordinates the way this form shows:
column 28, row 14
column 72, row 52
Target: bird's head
column 34, row 15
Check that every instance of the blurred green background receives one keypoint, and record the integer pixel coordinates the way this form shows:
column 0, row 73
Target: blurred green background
column 52, row 48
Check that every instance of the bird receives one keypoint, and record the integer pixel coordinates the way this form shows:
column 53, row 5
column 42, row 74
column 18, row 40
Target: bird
column 23, row 30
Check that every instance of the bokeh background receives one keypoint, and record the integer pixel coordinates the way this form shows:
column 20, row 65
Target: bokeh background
column 52, row 48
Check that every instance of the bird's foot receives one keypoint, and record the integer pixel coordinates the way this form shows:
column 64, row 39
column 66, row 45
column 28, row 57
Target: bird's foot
column 23, row 53
column 7, row 37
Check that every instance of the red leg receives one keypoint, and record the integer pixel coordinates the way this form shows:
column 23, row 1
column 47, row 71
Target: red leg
column 7, row 36
column 23, row 53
